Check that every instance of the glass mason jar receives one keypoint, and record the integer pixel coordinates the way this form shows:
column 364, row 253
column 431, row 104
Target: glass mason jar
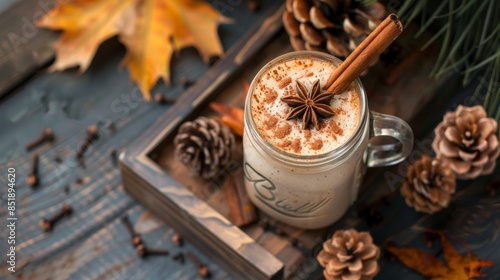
column 314, row 191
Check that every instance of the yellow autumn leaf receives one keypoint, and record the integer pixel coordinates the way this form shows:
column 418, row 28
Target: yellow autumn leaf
column 151, row 30
column 460, row 267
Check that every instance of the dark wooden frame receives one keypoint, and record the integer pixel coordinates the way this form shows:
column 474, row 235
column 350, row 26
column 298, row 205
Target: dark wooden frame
column 189, row 215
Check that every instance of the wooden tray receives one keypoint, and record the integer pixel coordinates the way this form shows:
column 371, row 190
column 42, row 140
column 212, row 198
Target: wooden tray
column 146, row 180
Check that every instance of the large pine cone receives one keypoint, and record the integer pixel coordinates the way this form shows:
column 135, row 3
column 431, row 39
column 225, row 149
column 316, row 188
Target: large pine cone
column 334, row 26
column 204, row 146
column 349, row 255
column 429, row 185
column 467, row 140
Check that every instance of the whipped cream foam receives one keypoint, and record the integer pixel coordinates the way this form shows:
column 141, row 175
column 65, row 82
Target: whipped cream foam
column 269, row 112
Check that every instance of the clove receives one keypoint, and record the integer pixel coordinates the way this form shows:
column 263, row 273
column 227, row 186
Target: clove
column 136, row 238
column 114, row 156
column 142, row 251
column 92, row 135
column 58, row 159
column 177, row 239
column 179, row 257
column 202, row 268
column 185, row 82
column 253, row 5
column 46, row 136
column 160, row 99
column 32, row 179
column 48, row 224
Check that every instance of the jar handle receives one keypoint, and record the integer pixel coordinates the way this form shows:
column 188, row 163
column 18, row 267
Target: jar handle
column 388, row 154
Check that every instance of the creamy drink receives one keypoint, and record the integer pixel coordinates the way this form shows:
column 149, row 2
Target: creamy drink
column 269, row 112
column 307, row 175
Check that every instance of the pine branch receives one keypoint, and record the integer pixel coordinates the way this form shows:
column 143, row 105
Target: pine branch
column 469, row 38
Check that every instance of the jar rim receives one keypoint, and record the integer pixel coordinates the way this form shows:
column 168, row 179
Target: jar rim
column 339, row 151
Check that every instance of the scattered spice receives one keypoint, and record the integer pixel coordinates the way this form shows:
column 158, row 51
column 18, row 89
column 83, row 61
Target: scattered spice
column 317, row 144
column 48, row 224
column 160, row 99
column 46, row 136
column 32, row 179
column 91, row 136
column 296, row 146
column 271, row 122
column 271, row 96
column 202, row 268
column 281, row 132
column 178, row 240
column 285, row 82
column 179, row 257
column 253, row 5
column 185, row 82
column 114, row 156
column 143, row 251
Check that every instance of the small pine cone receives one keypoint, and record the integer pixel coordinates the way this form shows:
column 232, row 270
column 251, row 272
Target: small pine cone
column 349, row 254
column 204, row 146
column 467, row 140
column 429, row 185
column 333, row 26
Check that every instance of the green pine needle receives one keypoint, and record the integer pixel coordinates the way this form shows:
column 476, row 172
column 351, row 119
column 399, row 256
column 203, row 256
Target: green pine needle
column 469, row 36
column 366, row 2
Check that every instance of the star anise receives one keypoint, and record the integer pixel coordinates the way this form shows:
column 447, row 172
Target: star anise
column 309, row 104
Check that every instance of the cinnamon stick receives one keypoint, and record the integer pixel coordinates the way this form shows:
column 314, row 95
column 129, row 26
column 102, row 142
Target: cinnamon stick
column 361, row 58
column 241, row 209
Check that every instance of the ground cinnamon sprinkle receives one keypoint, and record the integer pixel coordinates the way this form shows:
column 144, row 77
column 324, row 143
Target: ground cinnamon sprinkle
column 271, row 96
column 297, row 146
column 271, row 122
column 285, row 144
column 282, row 131
column 317, row 144
column 335, row 129
column 276, row 76
column 307, row 134
column 285, row 82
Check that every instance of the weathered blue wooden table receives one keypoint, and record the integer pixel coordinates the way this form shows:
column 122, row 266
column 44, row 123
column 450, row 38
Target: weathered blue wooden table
column 93, row 242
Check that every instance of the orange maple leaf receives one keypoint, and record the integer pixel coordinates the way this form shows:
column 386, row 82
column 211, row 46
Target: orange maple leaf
column 459, row 267
column 151, row 30
column 233, row 117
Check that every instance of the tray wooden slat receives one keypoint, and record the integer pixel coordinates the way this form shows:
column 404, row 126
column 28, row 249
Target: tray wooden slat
column 190, row 215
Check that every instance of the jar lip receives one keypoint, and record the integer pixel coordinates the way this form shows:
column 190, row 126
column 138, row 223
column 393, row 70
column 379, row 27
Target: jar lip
column 280, row 154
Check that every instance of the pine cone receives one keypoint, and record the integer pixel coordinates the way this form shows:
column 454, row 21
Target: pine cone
column 349, row 254
column 334, row 26
column 204, row 146
column 429, row 185
column 467, row 140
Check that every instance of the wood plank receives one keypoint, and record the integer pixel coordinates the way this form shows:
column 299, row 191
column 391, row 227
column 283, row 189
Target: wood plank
column 109, row 254
column 24, row 48
column 68, row 103
column 205, row 226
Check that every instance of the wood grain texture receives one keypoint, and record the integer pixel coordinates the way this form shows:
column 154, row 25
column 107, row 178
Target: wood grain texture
column 24, row 48
column 187, row 212
column 272, row 243
column 68, row 103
